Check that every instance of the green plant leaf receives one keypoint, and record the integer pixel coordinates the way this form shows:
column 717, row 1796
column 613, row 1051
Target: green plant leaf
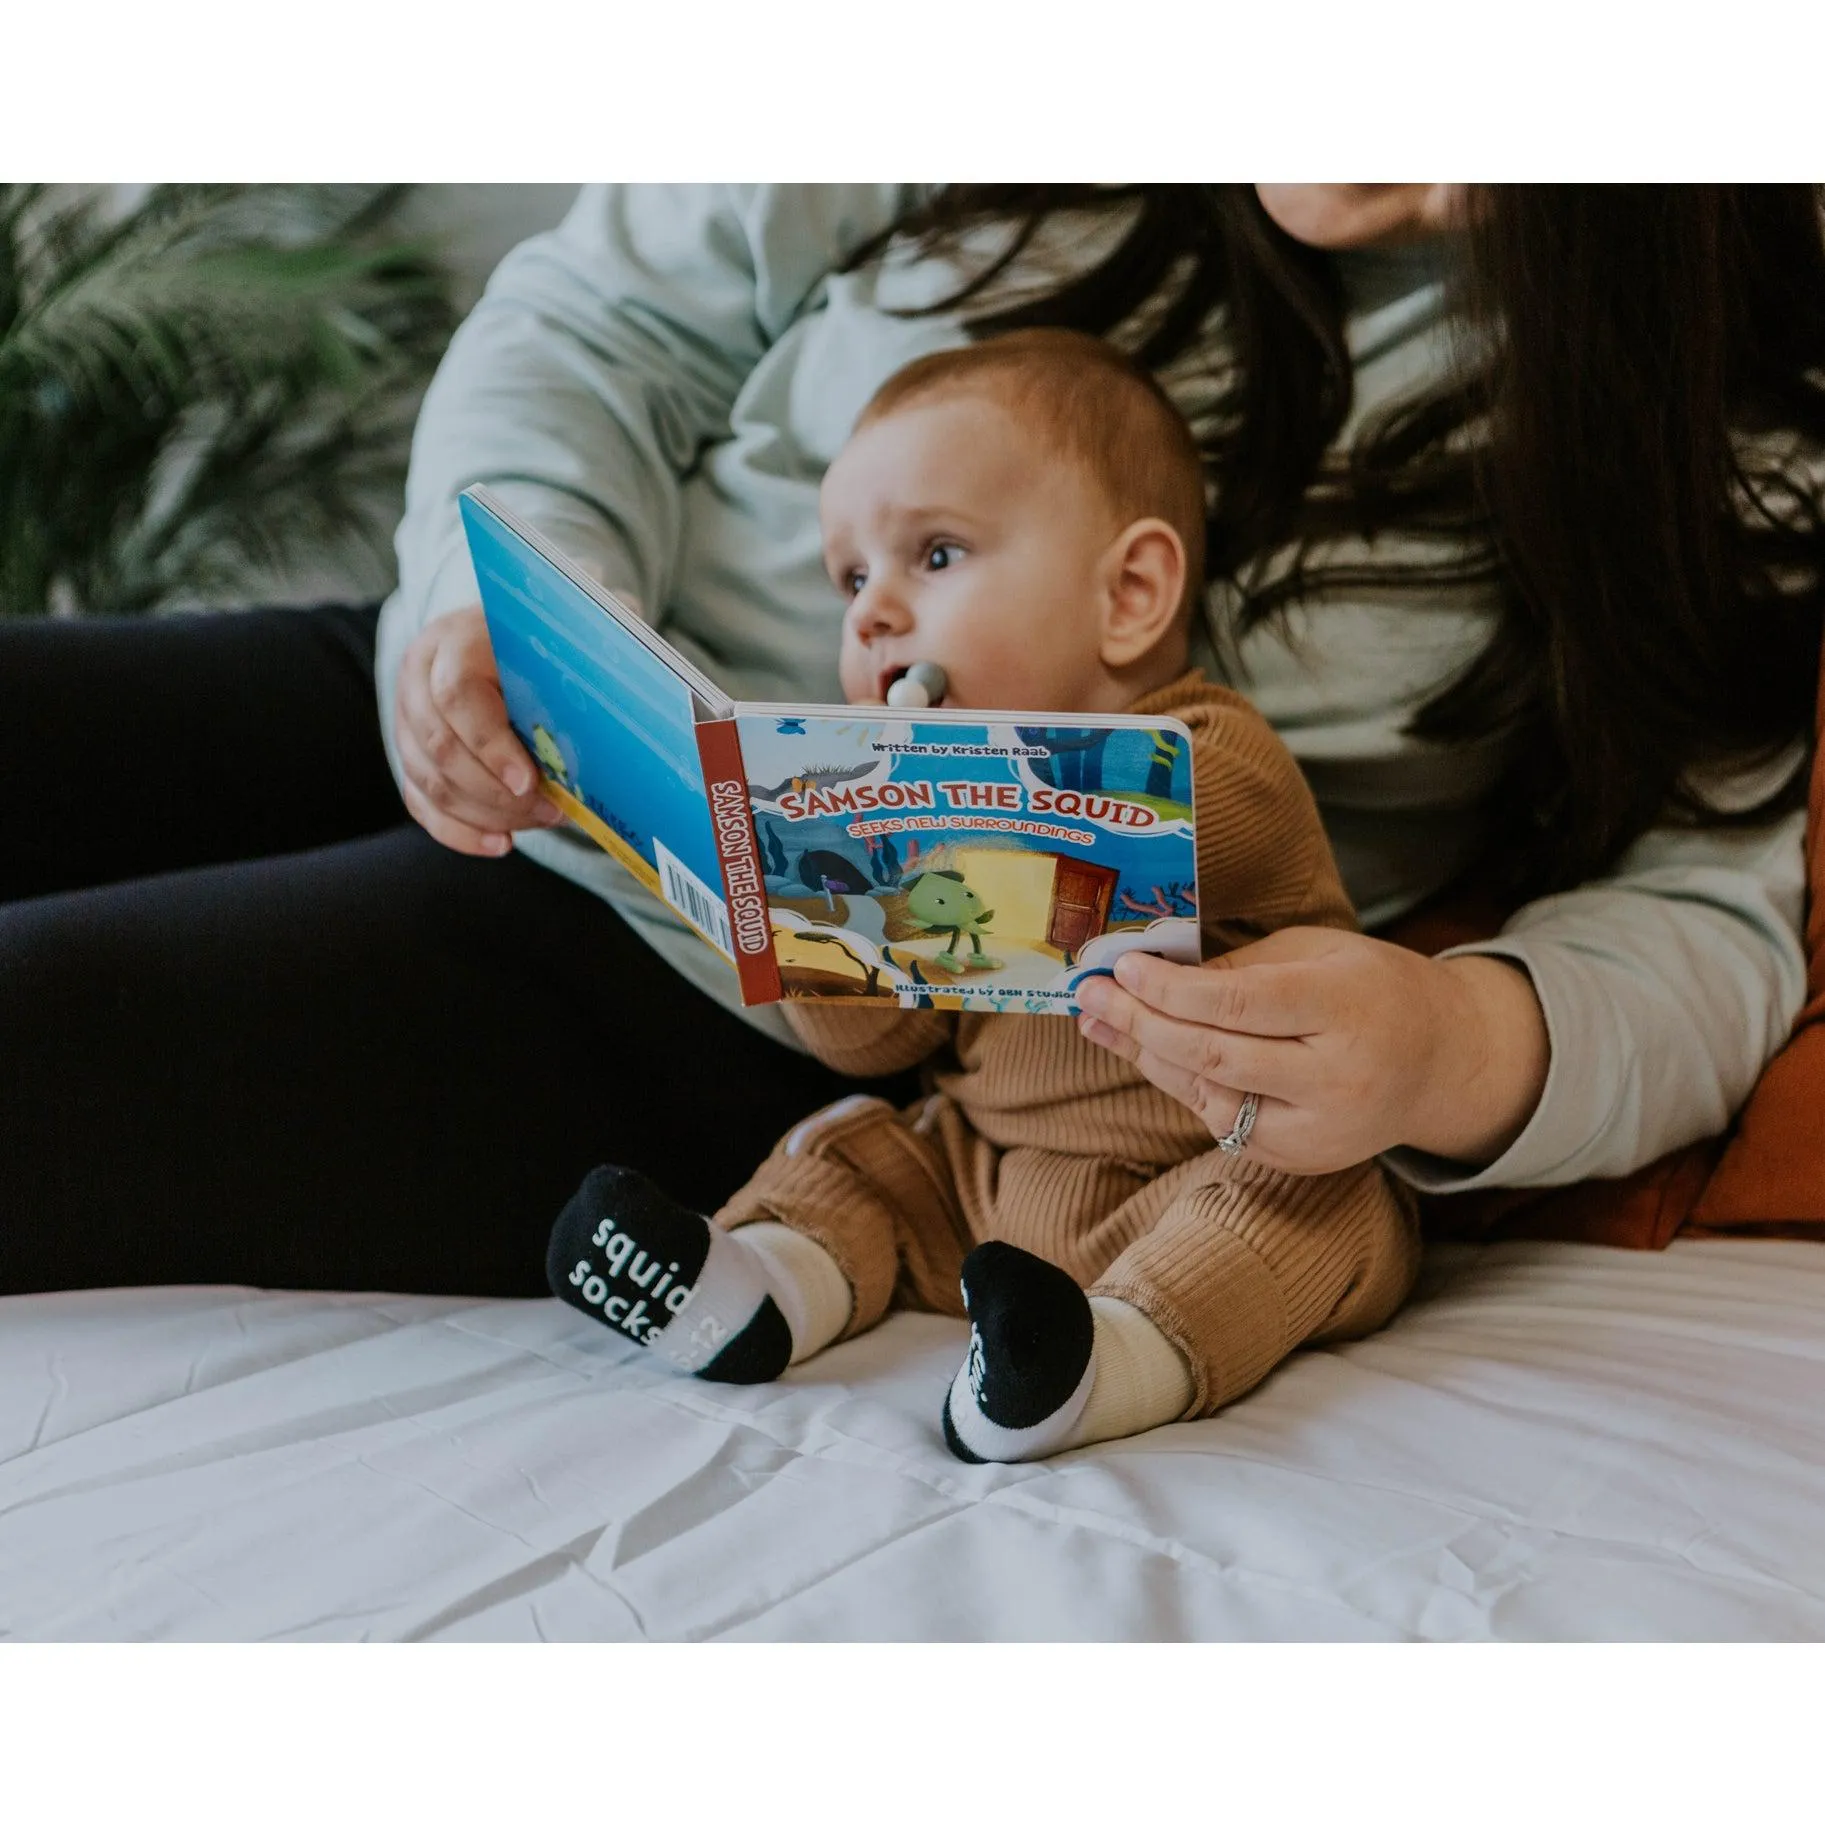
column 204, row 387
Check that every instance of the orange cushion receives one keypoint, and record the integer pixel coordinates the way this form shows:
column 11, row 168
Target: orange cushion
column 1766, row 1176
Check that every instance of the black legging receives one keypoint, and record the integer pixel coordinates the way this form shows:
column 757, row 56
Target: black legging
column 257, row 1027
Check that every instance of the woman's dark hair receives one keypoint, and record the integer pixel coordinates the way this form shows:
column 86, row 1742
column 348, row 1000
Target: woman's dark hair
column 1631, row 450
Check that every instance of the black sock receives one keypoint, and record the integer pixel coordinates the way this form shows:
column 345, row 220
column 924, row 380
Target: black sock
column 649, row 1269
column 1030, row 1366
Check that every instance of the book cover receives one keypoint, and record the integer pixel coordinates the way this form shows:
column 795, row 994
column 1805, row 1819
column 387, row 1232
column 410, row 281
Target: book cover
column 952, row 860
column 611, row 723
column 934, row 858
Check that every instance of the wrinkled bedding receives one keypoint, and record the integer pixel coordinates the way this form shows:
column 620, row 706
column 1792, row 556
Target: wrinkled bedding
column 1552, row 1441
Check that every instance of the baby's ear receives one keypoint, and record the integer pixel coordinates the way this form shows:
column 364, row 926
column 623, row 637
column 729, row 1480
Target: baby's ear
column 1145, row 582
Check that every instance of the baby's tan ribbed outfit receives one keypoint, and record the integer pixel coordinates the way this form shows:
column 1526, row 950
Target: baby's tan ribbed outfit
column 1032, row 1135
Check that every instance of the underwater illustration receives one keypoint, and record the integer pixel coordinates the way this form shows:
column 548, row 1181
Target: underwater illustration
column 985, row 865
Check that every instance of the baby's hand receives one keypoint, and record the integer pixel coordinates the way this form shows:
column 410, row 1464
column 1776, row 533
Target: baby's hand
column 467, row 778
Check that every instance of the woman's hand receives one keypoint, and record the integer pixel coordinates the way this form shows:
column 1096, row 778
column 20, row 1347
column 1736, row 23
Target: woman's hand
column 1353, row 1045
column 467, row 778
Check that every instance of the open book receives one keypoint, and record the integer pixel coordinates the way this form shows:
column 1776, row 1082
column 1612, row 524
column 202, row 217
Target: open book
column 988, row 859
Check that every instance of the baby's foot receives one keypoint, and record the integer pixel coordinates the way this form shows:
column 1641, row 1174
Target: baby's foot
column 948, row 960
column 986, row 963
column 628, row 1256
column 1031, row 1362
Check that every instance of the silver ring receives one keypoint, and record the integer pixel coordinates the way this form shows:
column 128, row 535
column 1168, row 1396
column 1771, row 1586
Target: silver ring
column 1237, row 1138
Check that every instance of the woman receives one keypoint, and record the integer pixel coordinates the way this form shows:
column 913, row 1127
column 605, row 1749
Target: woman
column 1514, row 537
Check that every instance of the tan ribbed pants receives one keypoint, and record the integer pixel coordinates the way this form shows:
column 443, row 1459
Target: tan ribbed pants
column 1237, row 1264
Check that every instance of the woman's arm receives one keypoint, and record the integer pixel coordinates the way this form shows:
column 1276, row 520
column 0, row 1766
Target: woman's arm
column 1622, row 1020
column 600, row 360
column 1665, row 989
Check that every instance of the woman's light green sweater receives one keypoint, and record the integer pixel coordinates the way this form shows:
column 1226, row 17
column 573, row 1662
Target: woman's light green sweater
column 659, row 383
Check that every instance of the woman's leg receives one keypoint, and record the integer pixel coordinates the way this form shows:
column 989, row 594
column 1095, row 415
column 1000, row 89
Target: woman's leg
column 132, row 747
column 373, row 1065
column 256, row 1026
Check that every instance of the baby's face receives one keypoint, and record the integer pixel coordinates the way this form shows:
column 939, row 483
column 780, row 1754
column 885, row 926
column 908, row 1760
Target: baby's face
column 958, row 540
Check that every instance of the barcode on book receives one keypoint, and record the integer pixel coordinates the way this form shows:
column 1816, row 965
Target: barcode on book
column 699, row 905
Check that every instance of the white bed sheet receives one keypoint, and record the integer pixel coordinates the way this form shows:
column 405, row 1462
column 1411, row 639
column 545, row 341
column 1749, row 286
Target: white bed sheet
column 1550, row 1442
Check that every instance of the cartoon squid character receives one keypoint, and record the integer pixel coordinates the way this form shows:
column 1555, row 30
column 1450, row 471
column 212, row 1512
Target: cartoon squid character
column 938, row 901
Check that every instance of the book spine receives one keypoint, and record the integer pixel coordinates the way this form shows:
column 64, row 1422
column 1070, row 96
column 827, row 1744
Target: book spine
column 743, row 886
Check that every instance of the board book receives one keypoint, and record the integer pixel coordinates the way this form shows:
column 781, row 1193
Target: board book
column 982, row 859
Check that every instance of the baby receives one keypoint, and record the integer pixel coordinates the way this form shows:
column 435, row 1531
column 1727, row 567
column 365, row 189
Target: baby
column 1028, row 515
